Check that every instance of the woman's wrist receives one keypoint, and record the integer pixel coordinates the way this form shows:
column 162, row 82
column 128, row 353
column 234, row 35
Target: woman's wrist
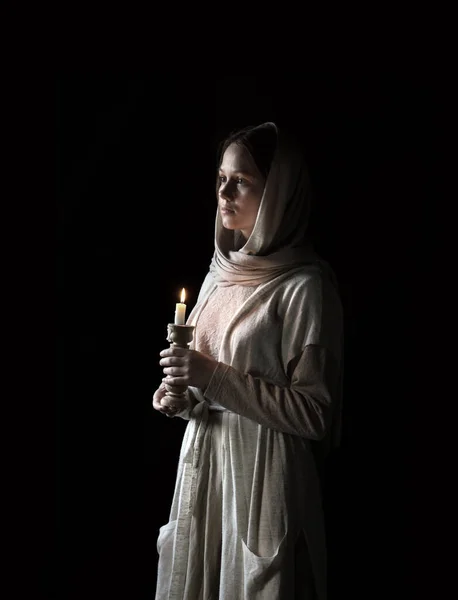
column 212, row 365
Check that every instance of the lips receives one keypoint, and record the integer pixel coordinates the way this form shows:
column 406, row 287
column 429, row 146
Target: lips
column 226, row 211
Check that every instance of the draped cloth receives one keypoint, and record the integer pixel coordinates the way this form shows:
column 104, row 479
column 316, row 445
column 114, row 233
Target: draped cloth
column 278, row 243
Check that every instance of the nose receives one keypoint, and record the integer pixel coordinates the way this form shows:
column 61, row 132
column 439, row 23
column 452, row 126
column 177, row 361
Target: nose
column 226, row 191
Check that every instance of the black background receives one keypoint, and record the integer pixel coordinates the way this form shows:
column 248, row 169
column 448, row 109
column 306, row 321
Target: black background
column 135, row 161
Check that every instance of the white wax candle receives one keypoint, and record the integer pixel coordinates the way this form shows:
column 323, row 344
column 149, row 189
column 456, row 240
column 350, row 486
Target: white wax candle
column 180, row 310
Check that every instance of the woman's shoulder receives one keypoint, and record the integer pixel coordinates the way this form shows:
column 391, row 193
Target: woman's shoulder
column 304, row 279
column 309, row 285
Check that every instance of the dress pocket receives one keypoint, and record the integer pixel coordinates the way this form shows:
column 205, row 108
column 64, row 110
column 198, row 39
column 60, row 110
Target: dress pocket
column 165, row 537
column 263, row 573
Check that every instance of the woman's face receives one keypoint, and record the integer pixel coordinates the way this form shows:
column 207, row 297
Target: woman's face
column 240, row 190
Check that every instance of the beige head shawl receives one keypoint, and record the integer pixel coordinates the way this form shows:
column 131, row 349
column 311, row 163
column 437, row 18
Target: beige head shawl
column 278, row 242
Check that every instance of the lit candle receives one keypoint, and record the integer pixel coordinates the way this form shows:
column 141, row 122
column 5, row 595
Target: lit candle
column 180, row 309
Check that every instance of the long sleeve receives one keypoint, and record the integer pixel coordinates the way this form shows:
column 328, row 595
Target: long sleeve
column 304, row 408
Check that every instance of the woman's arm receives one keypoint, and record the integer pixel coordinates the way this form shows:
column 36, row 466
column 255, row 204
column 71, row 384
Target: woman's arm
column 304, row 408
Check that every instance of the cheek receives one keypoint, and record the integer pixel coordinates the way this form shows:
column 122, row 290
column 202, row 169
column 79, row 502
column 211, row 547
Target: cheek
column 254, row 203
column 255, row 209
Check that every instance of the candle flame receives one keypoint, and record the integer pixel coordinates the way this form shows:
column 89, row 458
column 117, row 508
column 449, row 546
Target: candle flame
column 183, row 296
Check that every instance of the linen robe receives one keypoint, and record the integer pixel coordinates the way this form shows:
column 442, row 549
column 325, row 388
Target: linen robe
column 246, row 521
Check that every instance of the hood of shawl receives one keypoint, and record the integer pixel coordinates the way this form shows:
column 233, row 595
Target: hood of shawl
column 285, row 206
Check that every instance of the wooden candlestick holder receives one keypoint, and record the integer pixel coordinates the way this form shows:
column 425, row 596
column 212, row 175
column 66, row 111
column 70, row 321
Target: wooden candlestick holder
column 179, row 336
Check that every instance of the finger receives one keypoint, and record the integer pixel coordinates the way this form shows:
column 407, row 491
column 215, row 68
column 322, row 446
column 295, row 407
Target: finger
column 177, row 381
column 165, row 410
column 169, row 410
column 170, row 382
column 171, row 361
column 172, row 371
column 160, row 392
column 157, row 404
column 174, row 351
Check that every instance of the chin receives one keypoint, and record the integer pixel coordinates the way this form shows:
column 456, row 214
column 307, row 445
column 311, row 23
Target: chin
column 228, row 223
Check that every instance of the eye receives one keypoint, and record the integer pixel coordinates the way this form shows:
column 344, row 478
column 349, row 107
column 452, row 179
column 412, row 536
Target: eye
column 238, row 180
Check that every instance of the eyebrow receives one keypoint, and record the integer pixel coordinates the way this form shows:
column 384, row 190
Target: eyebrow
column 240, row 172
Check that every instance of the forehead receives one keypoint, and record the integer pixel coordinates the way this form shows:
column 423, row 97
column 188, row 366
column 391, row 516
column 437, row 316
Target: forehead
column 237, row 158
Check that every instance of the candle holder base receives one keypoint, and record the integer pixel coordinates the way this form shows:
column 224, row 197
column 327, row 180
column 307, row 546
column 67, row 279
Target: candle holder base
column 179, row 336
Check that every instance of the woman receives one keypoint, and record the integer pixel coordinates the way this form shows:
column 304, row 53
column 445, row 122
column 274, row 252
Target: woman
column 264, row 382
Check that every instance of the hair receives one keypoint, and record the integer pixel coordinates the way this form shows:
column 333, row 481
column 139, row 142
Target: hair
column 259, row 140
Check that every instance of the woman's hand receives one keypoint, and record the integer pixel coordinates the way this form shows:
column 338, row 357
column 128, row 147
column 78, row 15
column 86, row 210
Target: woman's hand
column 182, row 366
column 157, row 402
